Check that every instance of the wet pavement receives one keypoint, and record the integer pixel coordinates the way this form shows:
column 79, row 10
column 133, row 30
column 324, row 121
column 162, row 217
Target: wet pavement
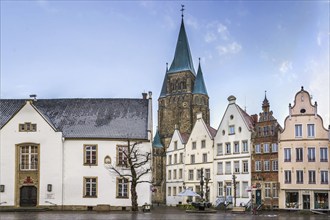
column 157, row 213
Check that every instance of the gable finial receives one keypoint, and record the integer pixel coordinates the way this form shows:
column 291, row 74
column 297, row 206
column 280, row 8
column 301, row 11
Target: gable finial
column 182, row 9
column 265, row 94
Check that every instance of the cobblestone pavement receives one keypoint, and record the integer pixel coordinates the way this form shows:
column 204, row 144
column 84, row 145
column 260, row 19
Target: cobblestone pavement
column 157, row 213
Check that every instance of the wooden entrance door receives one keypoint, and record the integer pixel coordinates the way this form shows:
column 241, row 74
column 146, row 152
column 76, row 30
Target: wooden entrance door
column 28, row 196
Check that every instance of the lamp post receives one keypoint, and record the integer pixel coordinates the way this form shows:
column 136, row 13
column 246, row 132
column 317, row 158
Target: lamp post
column 202, row 183
column 225, row 191
column 234, row 183
column 207, row 180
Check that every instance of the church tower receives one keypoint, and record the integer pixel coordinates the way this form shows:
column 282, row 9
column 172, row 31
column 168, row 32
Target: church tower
column 183, row 93
column 182, row 96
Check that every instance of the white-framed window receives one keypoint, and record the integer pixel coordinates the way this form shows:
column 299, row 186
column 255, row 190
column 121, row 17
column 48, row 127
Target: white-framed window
column 267, row 190
column 174, row 190
column 122, row 157
column 122, row 187
column 180, row 174
column 236, row 147
column 181, row 157
column 203, row 144
column 257, row 148
column 175, row 145
column 298, row 130
column 236, row 166
column 205, row 158
column 198, row 174
column 191, row 174
column 28, row 157
column 266, row 165
column 299, row 176
column 311, row 154
column 169, row 192
column 275, row 165
column 169, row 159
column 310, row 130
column 193, row 145
column 90, row 187
column 274, row 147
column 175, row 158
column 245, row 166
column 231, row 129
column 287, row 176
column 238, row 189
column 287, row 154
column 324, row 154
column 245, row 193
column 228, row 188
column 27, row 127
column 90, row 155
column 192, row 158
column 220, row 168
column 228, row 167
column 299, row 154
column 258, row 165
column 311, row 177
column 275, row 190
column 207, row 173
column 228, row 148
column 219, row 149
column 266, row 131
column 266, row 148
column 324, row 177
column 169, row 174
column 220, row 189
column 245, row 146
column 174, row 174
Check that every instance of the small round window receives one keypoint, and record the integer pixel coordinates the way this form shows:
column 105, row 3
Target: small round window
column 302, row 110
column 223, row 132
column 231, row 117
column 239, row 129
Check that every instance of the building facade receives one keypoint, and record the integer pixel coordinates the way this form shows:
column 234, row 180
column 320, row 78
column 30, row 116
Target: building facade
column 175, row 168
column 59, row 152
column 264, row 158
column 232, row 155
column 304, row 157
column 198, row 174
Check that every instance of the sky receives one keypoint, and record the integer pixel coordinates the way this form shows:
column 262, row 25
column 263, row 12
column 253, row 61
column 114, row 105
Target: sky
column 119, row 49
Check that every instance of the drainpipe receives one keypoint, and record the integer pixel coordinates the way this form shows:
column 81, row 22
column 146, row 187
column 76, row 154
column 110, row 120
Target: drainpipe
column 62, row 202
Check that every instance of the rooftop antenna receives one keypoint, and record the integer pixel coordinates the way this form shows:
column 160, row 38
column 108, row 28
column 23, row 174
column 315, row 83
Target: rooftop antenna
column 245, row 104
column 182, row 9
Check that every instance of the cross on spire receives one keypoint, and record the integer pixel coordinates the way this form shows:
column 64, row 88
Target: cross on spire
column 182, row 9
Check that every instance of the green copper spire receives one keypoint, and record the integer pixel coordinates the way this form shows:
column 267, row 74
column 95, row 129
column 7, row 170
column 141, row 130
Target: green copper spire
column 199, row 87
column 182, row 58
column 157, row 143
column 164, row 87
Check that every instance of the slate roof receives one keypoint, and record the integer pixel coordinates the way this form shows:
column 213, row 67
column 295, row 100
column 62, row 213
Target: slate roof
column 246, row 117
column 199, row 87
column 182, row 58
column 212, row 131
column 88, row 118
column 164, row 87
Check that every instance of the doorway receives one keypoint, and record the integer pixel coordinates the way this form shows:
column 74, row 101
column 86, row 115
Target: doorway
column 306, row 202
column 28, row 196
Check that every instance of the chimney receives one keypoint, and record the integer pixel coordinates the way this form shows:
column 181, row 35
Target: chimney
column 33, row 97
column 144, row 95
column 150, row 94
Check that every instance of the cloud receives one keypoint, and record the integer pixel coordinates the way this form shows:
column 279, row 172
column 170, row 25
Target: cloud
column 231, row 48
column 45, row 5
column 285, row 66
column 319, row 38
column 223, row 31
column 210, row 37
column 192, row 22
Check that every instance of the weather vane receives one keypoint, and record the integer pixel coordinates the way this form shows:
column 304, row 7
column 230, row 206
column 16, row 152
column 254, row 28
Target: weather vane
column 182, row 9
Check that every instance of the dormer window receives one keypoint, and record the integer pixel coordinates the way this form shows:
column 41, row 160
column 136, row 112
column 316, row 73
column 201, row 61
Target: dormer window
column 27, row 127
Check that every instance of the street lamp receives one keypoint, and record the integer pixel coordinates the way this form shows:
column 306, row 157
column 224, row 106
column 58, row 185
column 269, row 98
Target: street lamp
column 234, row 182
column 207, row 180
column 202, row 183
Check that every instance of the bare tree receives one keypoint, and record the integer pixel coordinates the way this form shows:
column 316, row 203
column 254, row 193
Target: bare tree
column 133, row 165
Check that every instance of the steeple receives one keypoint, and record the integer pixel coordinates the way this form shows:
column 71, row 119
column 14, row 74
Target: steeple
column 265, row 104
column 164, row 87
column 199, row 87
column 157, row 143
column 182, row 58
